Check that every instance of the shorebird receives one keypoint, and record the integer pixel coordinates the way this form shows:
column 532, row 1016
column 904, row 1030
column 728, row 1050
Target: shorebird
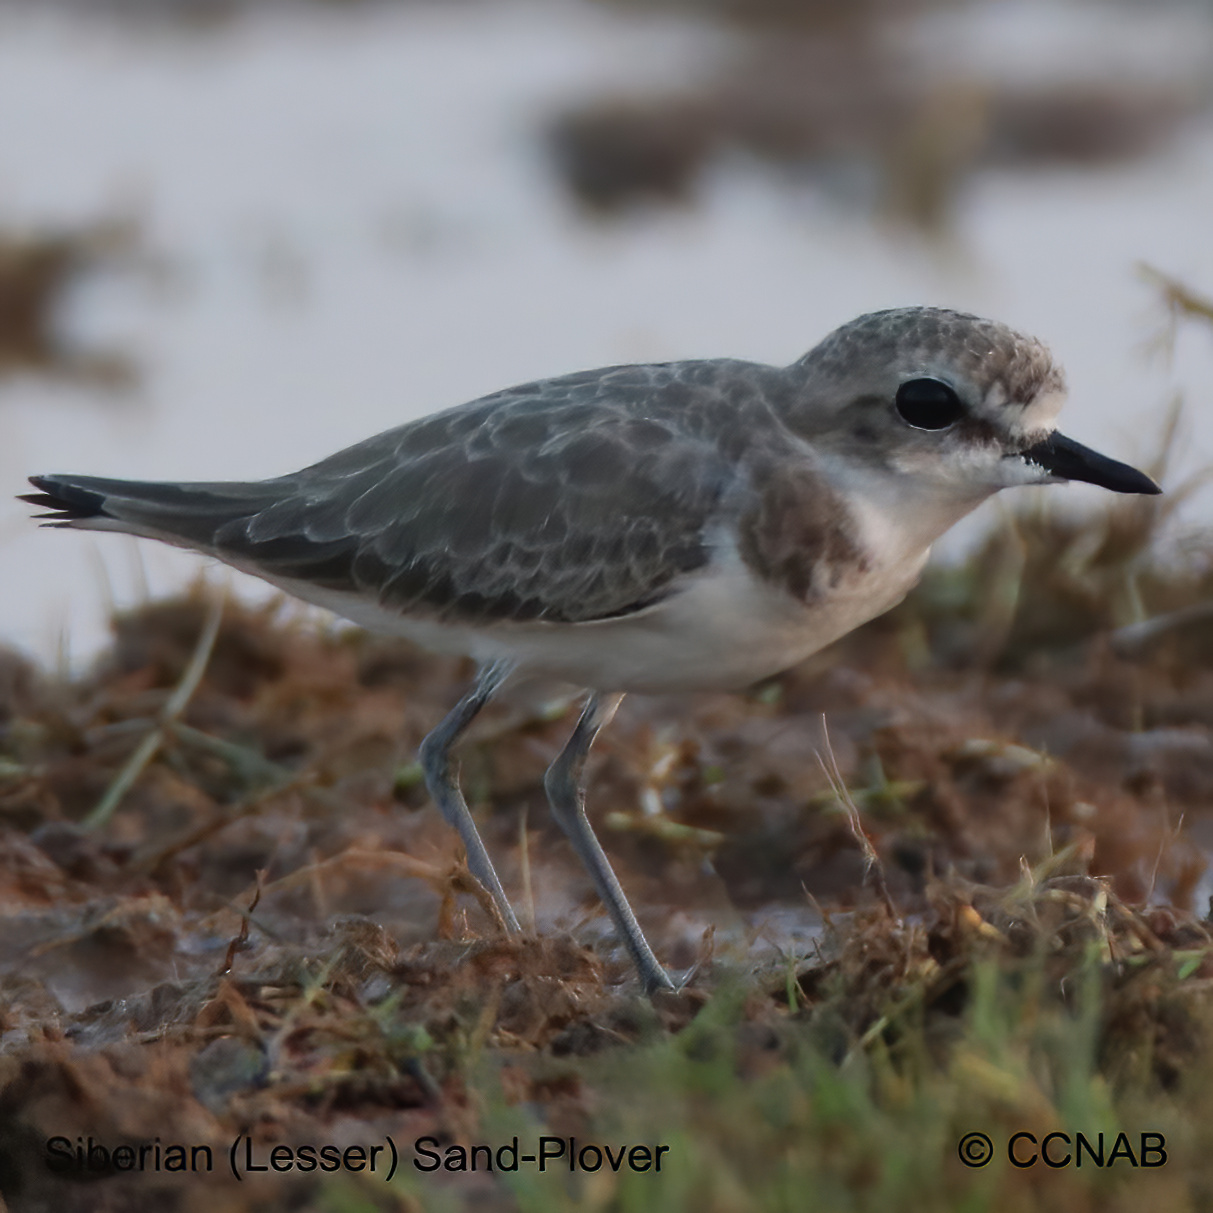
column 666, row 527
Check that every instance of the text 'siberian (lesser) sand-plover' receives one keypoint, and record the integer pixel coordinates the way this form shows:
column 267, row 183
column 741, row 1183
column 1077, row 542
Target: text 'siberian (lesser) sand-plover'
column 670, row 527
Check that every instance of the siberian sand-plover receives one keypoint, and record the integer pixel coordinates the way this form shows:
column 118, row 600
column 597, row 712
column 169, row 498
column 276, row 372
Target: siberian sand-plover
column 668, row 527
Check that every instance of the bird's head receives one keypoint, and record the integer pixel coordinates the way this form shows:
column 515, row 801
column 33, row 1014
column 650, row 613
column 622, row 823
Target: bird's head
column 965, row 405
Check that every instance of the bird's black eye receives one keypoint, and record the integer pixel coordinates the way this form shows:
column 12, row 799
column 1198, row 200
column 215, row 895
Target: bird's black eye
column 928, row 404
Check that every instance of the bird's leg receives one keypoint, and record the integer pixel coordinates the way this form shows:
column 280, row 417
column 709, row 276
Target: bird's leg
column 566, row 795
column 443, row 781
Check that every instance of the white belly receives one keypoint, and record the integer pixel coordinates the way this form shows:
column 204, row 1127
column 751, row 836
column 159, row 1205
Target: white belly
column 724, row 630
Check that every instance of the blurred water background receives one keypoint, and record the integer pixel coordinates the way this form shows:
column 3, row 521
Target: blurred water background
column 235, row 237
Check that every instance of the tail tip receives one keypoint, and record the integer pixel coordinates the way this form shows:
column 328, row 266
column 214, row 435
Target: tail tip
column 63, row 501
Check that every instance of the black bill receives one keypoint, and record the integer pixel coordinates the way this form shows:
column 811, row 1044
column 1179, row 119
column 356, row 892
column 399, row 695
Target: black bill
column 1069, row 460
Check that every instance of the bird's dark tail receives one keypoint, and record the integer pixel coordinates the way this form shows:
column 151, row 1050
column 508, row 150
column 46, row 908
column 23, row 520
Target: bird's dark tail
column 187, row 514
column 65, row 502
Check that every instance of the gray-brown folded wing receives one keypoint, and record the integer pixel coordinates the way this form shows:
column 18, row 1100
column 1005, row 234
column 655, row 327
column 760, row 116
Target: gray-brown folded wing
column 565, row 501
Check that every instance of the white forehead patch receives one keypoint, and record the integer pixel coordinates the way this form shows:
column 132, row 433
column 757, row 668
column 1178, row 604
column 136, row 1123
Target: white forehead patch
column 1041, row 414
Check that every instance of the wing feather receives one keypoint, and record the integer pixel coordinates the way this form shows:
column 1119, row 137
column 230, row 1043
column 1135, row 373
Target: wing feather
column 567, row 500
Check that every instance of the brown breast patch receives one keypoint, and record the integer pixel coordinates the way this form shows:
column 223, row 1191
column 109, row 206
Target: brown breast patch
column 798, row 534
